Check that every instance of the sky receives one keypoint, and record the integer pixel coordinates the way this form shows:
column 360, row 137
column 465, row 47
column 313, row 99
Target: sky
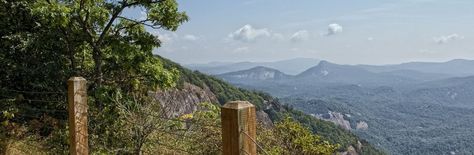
column 340, row 31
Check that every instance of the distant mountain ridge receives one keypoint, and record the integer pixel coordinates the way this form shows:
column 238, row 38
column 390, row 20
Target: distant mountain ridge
column 456, row 67
column 290, row 66
column 256, row 73
column 363, row 75
column 417, row 70
column 329, row 72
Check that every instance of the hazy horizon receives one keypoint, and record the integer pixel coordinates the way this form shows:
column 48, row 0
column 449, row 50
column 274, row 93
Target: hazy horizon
column 232, row 62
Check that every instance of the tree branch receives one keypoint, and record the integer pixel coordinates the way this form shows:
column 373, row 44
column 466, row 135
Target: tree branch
column 142, row 22
column 109, row 24
column 116, row 14
column 152, row 2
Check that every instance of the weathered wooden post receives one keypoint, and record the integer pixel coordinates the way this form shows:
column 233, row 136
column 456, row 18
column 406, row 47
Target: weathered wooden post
column 238, row 128
column 77, row 100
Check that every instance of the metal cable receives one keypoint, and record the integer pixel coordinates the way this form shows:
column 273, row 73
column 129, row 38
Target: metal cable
column 178, row 120
column 31, row 92
column 254, row 141
column 30, row 100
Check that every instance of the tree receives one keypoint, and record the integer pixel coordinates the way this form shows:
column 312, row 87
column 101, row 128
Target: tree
column 90, row 38
column 99, row 27
column 44, row 42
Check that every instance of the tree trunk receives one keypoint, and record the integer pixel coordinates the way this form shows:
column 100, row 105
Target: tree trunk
column 98, row 76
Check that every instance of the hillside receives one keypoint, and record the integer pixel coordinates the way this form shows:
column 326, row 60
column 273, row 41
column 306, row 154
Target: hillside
column 271, row 107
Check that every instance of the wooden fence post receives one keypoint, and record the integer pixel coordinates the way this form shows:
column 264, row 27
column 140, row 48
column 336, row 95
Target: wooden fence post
column 238, row 128
column 77, row 100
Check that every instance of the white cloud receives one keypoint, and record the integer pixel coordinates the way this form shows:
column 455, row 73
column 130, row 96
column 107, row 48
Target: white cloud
column 447, row 38
column 190, row 37
column 300, row 36
column 370, row 39
column 333, row 29
column 247, row 33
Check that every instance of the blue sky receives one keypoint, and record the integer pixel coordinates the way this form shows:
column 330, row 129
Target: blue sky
column 341, row 31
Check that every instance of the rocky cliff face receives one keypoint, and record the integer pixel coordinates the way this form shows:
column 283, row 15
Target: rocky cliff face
column 336, row 118
column 177, row 102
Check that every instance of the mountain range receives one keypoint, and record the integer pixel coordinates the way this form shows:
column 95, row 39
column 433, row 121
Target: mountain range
column 409, row 108
column 456, row 67
column 363, row 75
column 290, row 66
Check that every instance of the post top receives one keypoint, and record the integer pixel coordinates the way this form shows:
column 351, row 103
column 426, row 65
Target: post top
column 76, row 79
column 238, row 105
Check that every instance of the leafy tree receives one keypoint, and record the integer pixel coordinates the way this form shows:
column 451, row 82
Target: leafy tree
column 44, row 42
column 98, row 29
column 56, row 39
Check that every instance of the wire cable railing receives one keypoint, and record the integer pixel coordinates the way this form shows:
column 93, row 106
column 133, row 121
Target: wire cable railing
column 179, row 135
column 183, row 121
column 20, row 97
column 31, row 92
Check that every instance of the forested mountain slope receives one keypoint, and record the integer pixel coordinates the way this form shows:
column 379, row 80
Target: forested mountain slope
column 271, row 107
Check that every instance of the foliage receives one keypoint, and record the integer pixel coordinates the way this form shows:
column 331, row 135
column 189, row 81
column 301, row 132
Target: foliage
column 133, row 127
column 290, row 137
column 194, row 133
column 203, row 134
